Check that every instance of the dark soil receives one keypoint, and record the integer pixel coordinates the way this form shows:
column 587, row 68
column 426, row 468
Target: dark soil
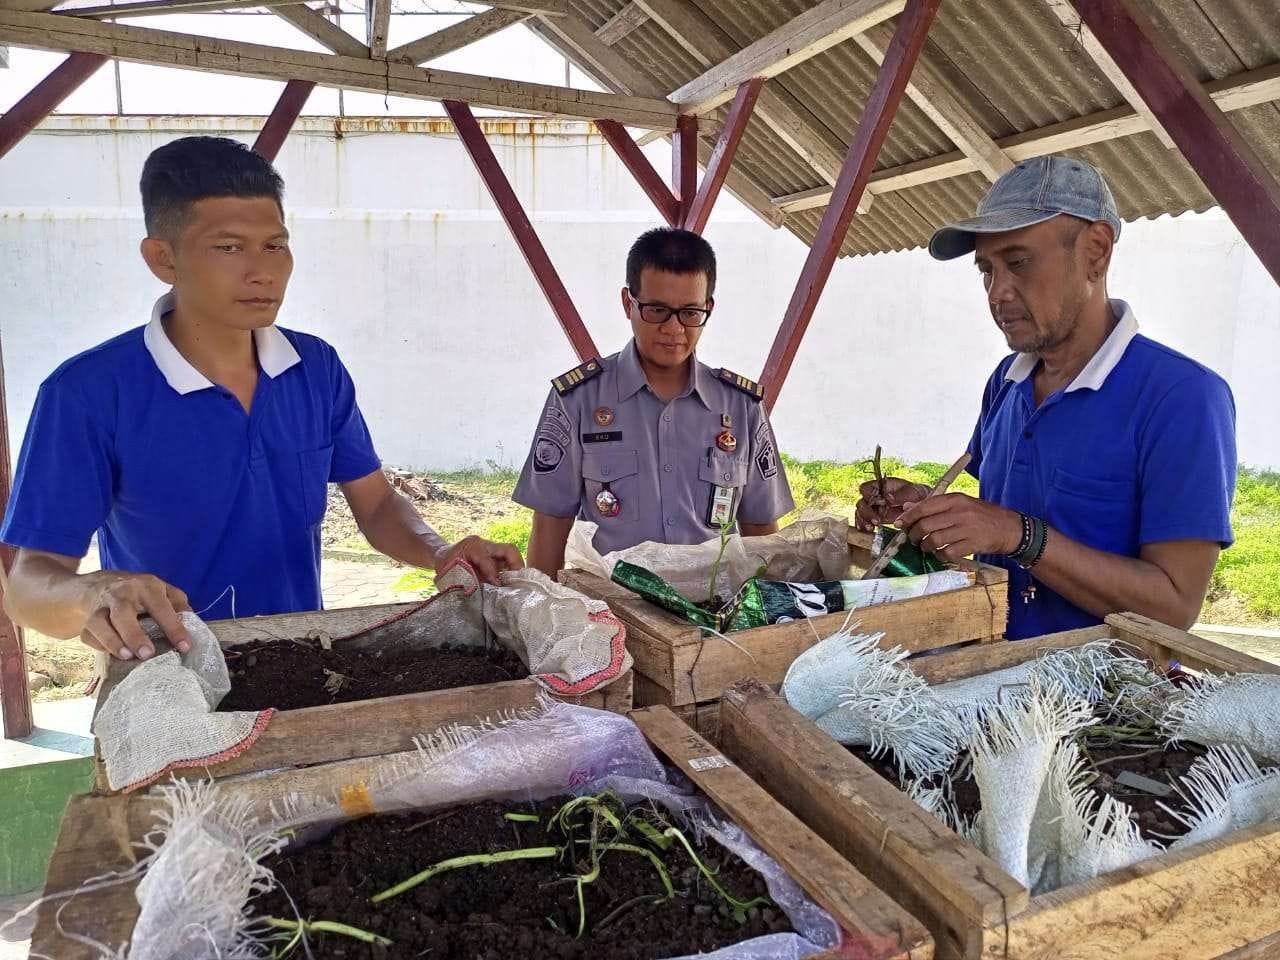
column 1164, row 765
column 519, row 909
column 289, row 674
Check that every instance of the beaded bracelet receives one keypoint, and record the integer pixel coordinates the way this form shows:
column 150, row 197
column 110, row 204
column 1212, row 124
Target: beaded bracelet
column 1035, row 536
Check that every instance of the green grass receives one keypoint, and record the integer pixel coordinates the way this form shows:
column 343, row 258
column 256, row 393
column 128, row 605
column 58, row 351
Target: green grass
column 1247, row 576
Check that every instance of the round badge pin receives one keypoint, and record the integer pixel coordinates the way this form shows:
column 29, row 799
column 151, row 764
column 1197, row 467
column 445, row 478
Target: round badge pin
column 607, row 503
column 727, row 442
column 603, row 416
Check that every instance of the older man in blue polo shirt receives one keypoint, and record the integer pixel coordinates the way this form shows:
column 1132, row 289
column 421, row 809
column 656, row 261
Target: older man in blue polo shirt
column 1106, row 461
column 200, row 446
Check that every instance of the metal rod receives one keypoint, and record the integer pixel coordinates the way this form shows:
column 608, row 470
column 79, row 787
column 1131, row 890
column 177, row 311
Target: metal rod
column 633, row 158
column 283, row 116
column 873, row 127
column 1219, row 154
column 45, row 96
column 521, row 228
column 735, row 125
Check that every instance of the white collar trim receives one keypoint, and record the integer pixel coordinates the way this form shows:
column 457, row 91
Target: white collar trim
column 1100, row 365
column 275, row 353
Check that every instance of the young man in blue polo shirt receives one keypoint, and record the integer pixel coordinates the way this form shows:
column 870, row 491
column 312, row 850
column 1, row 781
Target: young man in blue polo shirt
column 1106, row 462
column 200, row 446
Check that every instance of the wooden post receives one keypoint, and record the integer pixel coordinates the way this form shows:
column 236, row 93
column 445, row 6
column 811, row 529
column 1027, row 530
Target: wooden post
column 722, row 156
column 684, row 162
column 15, row 697
column 521, row 228
column 891, row 83
column 629, row 152
column 22, row 117
column 1221, row 157
column 283, row 116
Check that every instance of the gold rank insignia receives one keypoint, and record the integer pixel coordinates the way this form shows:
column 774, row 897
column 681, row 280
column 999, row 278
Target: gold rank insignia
column 739, row 382
column 576, row 377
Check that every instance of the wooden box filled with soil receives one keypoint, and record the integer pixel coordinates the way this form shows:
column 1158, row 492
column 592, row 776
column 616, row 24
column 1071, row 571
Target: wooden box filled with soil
column 344, row 686
column 683, row 667
column 1216, row 898
column 639, row 886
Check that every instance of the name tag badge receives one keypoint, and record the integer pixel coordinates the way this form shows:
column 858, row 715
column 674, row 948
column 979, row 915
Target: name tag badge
column 604, row 436
column 720, row 510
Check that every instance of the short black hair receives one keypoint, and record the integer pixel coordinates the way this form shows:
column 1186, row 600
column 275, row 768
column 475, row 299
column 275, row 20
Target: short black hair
column 672, row 250
column 190, row 169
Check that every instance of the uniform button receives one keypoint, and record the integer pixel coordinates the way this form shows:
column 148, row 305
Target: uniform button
column 605, row 471
column 726, row 476
column 666, row 417
column 671, row 521
column 666, row 467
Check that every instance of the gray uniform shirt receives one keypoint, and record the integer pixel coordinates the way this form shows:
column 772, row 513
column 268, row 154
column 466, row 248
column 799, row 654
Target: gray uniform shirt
column 660, row 460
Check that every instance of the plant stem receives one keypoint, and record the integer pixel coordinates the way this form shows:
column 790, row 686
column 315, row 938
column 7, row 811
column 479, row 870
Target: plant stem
column 653, row 858
column 711, row 879
column 324, row 926
column 471, row 860
column 521, row 817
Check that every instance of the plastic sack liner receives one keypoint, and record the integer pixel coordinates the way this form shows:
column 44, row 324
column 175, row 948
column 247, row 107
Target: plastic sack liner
column 807, row 550
column 559, row 749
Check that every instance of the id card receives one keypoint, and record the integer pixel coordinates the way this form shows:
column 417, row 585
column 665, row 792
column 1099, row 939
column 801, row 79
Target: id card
column 720, row 510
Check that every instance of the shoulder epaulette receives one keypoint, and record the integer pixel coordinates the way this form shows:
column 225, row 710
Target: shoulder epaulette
column 749, row 387
column 568, row 382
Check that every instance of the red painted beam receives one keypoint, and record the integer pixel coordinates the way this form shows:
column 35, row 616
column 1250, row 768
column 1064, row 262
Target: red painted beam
column 15, row 697
column 735, row 125
column 508, row 204
column 684, row 162
column 44, row 98
column 873, row 127
column 633, row 158
column 1219, row 154
column 283, row 116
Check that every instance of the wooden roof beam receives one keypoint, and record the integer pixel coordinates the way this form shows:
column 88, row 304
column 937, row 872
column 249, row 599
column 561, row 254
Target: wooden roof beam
column 322, row 30
column 43, row 31
column 814, row 31
column 931, row 92
column 622, row 23
column 1236, row 92
column 154, row 8
column 377, row 25
column 1066, row 13
column 456, row 36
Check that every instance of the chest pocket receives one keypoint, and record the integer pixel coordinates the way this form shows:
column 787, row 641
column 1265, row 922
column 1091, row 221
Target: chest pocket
column 1100, row 513
column 619, row 470
column 313, row 467
column 724, row 470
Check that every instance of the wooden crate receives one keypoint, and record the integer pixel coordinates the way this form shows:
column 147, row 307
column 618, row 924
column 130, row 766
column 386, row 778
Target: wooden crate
column 1204, row 901
column 679, row 666
column 97, row 834
column 366, row 728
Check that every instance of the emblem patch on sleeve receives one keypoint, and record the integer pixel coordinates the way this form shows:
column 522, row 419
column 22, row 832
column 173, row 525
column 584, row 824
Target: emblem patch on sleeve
column 553, row 439
column 547, row 455
column 766, row 453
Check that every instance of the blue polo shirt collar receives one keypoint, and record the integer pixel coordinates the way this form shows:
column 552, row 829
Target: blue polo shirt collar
column 275, row 353
column 631, row 378
column 1100, row 365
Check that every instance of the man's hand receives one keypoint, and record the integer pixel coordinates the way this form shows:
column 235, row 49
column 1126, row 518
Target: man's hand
column 115, row 600
column 488, row 558
column 877, row 508
column 954, row 526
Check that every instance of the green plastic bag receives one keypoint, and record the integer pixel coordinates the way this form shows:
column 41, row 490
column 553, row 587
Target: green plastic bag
column 910, row 560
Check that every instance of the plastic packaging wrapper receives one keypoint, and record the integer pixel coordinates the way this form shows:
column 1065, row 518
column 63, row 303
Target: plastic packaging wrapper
column 563, row 749
column 162, row 717
column 909, row 561
column 760, row 602
column 804, row 551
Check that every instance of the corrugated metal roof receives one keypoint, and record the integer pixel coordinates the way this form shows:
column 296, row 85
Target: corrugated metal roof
column 1012, row 63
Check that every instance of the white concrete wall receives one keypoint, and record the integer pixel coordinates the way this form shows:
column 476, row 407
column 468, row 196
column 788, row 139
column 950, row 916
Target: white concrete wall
column 403, row 264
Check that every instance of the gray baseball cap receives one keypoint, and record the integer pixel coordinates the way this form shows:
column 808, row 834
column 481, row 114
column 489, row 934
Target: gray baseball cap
column 1032, row 192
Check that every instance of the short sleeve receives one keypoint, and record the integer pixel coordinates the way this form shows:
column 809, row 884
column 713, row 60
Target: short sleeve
column 62, row 491
column 989, row 394
column 353, row 453
column 767, row 495
column 551, row 481
column 1187, row 463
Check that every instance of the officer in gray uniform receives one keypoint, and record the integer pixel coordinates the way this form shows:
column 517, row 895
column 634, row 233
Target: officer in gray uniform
column 649, row 443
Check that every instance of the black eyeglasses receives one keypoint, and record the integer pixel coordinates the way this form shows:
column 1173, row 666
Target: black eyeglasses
column 657, row 313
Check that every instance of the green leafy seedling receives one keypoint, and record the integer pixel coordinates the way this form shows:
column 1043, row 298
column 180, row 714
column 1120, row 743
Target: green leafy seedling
column 471, row 860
